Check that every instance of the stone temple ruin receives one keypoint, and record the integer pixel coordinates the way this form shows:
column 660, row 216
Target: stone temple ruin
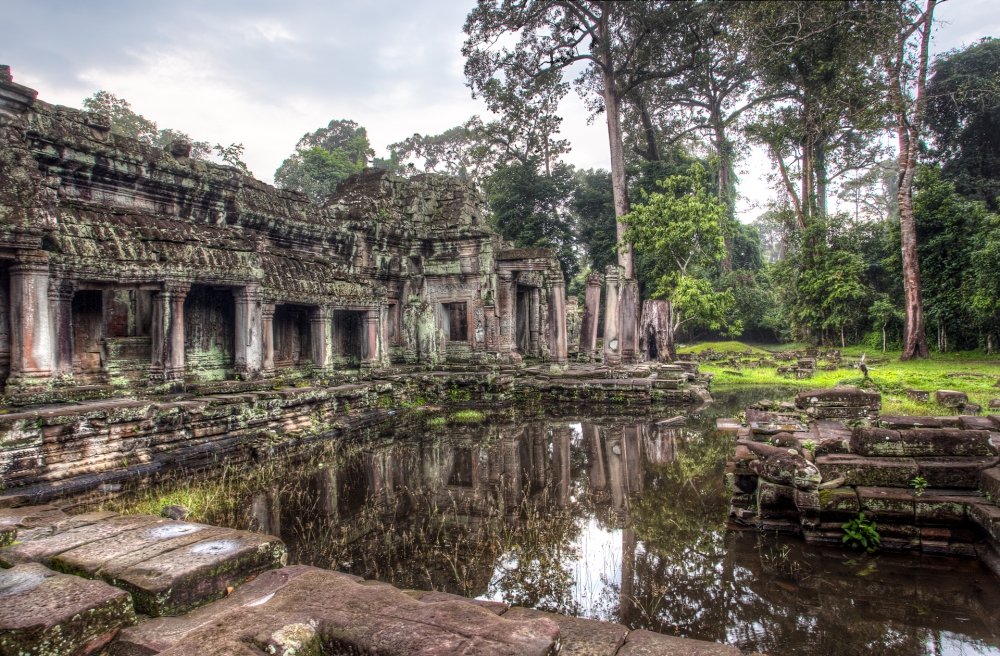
column 129, row 266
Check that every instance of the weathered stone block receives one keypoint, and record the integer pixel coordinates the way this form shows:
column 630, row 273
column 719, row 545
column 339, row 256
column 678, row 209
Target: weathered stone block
column 903, row 422
column 580, row 637
column 975, row 423
column 989, row 483
column 987, row 517
column 775, row 501
column 921, row 396
column 43, row 549
column 888, row 504
column 953, row 472
column 868, row 472
column 840, row 503
column 839, row 397
column 44, row 613
column 177, row 581
column 951, row 398
column 921, row 442
column 932, row 507
column 647, row 643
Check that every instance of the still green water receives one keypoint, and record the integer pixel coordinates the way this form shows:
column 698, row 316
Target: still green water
column 615, row 518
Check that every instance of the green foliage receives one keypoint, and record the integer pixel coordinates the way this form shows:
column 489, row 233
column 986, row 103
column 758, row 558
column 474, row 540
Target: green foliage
column 919, row 484
column 861, row 533
column 529, row 209
column 466, row 417
column 233, row 156
column 324, row 158
column 809, row 445
column 679, row 228
column 593, row 207
column 962, row 116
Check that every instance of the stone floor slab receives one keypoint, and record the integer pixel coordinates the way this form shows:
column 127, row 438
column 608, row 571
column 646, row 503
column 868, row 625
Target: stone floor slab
column 434, row 597
column 177, row 581
column 647, row 643
column 31, row 516
column 318, row 607
column 580, row 637
column 43, row 549
column 46, row 613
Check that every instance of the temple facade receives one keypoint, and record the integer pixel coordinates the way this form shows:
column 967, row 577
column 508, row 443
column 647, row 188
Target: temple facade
column 128, row 267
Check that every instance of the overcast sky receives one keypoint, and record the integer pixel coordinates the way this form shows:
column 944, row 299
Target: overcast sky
column 265, row 73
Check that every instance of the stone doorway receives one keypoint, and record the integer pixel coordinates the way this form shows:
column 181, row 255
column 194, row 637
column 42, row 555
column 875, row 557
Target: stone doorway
column 88, row 336
column 209, row 333
column 348, row 338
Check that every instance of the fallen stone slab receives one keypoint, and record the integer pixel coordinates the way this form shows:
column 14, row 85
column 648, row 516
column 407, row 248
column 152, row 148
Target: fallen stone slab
column 869, row 472
column 966, row 422
column 943, row 506
column 918, row 395
column 47, row 613
column 989, row 483
column 317, row 607
column 580, row 637
column 647, row 643
column 926, row 442
column 840, row 503
column 953, row 471
column 180, row 580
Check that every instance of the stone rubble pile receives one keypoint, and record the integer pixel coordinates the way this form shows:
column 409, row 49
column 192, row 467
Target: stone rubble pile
column 928, row 483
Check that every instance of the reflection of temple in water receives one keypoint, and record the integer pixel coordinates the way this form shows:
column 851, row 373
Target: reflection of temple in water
column 468, row 490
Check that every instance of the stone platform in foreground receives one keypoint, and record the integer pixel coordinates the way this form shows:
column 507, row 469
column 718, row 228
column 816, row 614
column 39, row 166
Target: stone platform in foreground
column 238, row 600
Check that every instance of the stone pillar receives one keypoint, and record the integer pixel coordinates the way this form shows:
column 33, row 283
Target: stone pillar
column 30, row 323
column 557, row 321
column 370, row 337
column 591, row 312
column 173, row 358
column 612, row 345
column 513, row 485
column 595, row 457
column 614, row 441
column 560, row 464
column 534, row 322
column 326, row 493
column 320, row 338
column 410, row 327
column 505, row 311
column 628, row 321
column 61, row 308
column 267, row 335
column 249, row 357
column 158, row 335
column 572, row 327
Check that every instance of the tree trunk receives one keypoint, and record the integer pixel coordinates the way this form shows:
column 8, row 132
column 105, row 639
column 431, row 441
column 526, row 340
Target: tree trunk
column 656, row 335
column 724, row 149
column 612, row 107
column 914, row 334
column 652, row 152
column 883, row 338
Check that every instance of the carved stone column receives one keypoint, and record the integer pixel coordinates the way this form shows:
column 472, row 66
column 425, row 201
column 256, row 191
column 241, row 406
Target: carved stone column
column 561, row 464
column 61, row 308
column 267, row 334
column 614, row 442
column 370, row 337
column 612, row 345
column 595, row 457
column 534, row 322
column 320, row 338
column 591, row 312
column 173, row 359
column 628, row 321
column 557, row 321
column 31, row 329
column 249, row 356
column 505, row 311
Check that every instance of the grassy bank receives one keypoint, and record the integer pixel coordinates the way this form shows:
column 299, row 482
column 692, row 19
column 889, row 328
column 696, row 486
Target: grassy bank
column 972, row 373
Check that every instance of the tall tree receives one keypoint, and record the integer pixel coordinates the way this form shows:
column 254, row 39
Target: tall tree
column 622, row 44
column 904, row 61
column 324, row 158
column 963, row 118
column 817, row 63
column 126, row 122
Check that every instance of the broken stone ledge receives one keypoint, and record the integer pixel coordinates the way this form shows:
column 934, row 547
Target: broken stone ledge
column 239, row 606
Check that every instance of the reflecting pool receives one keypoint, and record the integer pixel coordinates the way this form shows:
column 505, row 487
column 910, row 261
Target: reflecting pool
column 611, row 517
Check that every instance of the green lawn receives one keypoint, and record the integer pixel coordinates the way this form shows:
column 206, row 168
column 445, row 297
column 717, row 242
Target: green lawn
column 892, row 378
